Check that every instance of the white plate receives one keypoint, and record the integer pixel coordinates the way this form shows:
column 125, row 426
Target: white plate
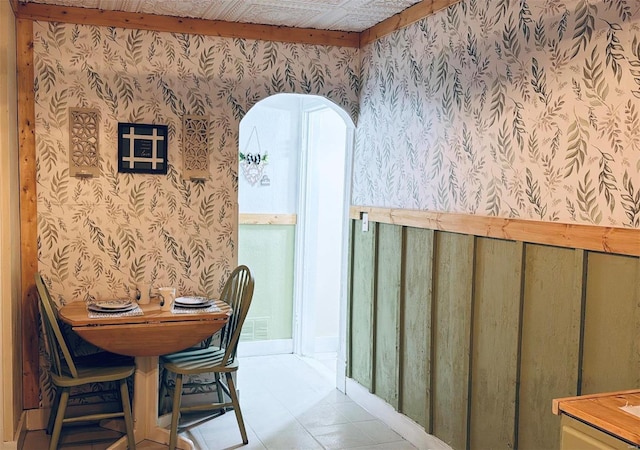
column 111, row 311
column 193, row 302
column 112, row 305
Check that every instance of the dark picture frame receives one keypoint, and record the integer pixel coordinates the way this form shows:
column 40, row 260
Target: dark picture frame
column 143, row 148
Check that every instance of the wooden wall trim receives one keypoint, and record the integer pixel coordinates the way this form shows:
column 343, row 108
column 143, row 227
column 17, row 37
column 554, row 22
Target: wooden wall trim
column 267, row 219
column 28, row 212
column 624, row 241
column 139, row 21
column 402, row 19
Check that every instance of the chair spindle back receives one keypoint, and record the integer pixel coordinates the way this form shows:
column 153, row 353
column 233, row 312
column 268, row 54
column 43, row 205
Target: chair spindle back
column 55, row 342
column 237, row 293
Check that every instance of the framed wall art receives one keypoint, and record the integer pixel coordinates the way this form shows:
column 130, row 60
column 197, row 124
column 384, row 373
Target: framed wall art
column 142, row 148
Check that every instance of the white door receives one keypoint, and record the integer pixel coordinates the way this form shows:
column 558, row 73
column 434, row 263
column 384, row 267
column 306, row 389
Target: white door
column 322, row 192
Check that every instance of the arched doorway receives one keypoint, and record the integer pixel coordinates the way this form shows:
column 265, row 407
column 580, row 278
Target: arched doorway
column 294, row 189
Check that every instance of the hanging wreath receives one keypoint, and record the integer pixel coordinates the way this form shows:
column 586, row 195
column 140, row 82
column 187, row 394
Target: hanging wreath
column 252, row 164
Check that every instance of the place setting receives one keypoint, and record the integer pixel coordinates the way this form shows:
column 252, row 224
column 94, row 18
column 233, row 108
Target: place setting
column 114, row 307
column 194, row 304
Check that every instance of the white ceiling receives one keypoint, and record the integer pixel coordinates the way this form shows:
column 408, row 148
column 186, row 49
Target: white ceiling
column 342, row 15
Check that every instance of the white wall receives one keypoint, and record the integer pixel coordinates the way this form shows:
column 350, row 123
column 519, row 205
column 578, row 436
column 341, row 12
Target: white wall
column 10, row 375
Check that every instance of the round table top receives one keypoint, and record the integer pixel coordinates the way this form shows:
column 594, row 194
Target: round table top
column 153, row 333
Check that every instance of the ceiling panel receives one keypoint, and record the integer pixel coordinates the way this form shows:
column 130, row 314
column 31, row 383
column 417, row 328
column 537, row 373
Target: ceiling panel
column 340, row 15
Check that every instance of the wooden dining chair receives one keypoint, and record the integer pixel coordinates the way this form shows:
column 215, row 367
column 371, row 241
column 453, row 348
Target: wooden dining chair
column 219, row 358
column 67, row 372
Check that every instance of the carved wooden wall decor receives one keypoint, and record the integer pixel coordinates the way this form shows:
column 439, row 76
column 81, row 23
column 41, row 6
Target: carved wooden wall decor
column 83, row 142
column 195, row 147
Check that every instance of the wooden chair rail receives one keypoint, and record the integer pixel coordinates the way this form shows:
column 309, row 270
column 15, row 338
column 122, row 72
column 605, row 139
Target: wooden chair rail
column 623, row 241
column 267, row 219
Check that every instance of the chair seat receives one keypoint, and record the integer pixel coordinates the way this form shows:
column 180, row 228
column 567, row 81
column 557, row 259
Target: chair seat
column 198, row 361
column 88, row 374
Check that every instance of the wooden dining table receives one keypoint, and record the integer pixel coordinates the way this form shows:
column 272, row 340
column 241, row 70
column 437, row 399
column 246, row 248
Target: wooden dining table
column 146, row 336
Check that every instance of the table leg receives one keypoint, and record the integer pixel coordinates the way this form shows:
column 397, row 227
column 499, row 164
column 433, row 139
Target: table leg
column 145, row 407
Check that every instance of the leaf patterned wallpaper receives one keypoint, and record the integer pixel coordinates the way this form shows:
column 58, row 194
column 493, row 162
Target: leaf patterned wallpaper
column 511, row 108
column 99, row 237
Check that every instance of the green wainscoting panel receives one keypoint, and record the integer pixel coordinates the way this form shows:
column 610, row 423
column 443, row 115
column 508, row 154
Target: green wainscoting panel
column 415, row 330
column 268, row 250
column 451, row 336
column 611, row 356
column 550, row 341
column 473, row 337
column 387, row 314
column 362, row 301
column 496, row 328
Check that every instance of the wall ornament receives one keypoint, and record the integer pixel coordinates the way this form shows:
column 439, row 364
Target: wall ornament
column 253, row 163
column 84, row 161
column 195, row 147
column 142, row 148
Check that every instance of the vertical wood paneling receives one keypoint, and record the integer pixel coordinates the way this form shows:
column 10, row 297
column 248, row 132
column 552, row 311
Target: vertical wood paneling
column 387, row 313
column 451, row 336
column 496, row 326
column 28, row 214
column 490, row 331
column 416, row 331
column 550, row 341
column 611, row 356
column 364, row 271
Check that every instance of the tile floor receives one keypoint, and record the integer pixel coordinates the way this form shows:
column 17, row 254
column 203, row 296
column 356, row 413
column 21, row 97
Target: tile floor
column 287, row 403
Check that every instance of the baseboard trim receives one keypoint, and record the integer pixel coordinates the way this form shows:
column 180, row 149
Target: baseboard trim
column 36, row 419
column 399, row 423
column 20, row 435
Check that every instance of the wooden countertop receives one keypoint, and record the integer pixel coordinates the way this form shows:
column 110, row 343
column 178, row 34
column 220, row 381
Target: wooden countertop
column 603, row 412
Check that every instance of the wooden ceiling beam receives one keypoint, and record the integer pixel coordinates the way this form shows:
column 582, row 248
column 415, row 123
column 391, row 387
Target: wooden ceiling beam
column 402, row 19
column 152, row 22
